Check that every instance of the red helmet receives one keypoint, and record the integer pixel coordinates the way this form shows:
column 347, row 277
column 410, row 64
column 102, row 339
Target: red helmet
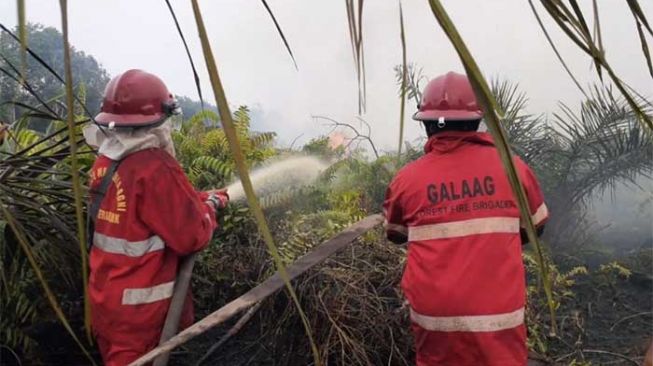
column 451, row 97
column 136, row 98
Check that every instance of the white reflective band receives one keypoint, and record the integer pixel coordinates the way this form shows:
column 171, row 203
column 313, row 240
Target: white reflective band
column 464, row 228
column 135, row 296
column 125, row 247
column 395, row 227
column 541, row 214
column 470, row 323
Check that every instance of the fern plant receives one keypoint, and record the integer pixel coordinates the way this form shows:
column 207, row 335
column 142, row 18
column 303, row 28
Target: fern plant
column 202, row 148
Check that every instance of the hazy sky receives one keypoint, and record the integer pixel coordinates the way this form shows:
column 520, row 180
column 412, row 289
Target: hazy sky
column 257, row 71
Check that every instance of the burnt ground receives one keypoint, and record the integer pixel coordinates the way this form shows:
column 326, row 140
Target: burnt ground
column 607, row 321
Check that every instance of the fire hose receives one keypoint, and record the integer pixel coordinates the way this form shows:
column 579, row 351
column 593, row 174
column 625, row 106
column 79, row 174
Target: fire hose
column 182, row 283
column 173, row 317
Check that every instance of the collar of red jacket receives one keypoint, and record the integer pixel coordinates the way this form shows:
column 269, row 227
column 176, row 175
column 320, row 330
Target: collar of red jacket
column 450, row 140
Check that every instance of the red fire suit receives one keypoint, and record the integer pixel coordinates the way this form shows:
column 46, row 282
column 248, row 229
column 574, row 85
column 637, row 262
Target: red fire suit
column 149, row 218
column 464, row 277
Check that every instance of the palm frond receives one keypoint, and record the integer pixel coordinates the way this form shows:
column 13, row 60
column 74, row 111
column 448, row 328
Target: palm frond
column 603, row 144
column 404, row 82
column 196, row 77
column 74, row 168
column 572, row 23
column 22, row 34
column 355, row 23
column 283, row 36
column 640, row 19
column 527, row 133
column 20, row 234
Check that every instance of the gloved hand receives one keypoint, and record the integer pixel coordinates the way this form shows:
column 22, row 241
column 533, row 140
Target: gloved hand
column 219, row 199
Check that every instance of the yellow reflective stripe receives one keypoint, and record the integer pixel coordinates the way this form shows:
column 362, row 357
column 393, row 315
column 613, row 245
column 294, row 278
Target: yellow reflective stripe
column 136, row 296
column 125, row 247
column 464, row 228
column 395, row 227
column 469, row 323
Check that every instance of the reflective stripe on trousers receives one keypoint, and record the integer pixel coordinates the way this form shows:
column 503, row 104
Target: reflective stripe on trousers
column 469, row 323
column 137, row 296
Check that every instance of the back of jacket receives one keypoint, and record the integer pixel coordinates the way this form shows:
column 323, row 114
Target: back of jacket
column 464, row 277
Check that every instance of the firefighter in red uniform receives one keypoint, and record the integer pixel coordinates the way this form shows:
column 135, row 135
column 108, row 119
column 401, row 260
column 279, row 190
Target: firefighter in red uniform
column 146, row 216
column 464, row 278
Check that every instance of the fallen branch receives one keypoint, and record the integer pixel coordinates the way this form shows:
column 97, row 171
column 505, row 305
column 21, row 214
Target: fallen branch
column 235, row 329
column 358, row 136
column 265, row 289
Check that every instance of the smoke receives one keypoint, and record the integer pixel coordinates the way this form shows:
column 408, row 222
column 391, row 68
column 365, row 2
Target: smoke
column 626, row 214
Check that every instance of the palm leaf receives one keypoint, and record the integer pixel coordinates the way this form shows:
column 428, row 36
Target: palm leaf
column 196, row 77
column 355, row 22
column 404, row 77
column 602, row 145
column 26, row 86
column 642, row 38
column 77, row 188
column 572, row 25
column 22, row 35
column 554, row 48
column 20, row 235
column 639, row 14
column 527, row 134
column 283, row 37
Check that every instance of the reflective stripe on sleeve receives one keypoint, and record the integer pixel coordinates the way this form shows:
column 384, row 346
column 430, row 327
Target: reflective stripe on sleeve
column 541, row 214
column 125, row 247
column 455, row 229
column 395, row 227
column 136, row 296
column 470, row 323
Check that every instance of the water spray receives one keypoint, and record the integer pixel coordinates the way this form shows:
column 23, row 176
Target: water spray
column 291, row 172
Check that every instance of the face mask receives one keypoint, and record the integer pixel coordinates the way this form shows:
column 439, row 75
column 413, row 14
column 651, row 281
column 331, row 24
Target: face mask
column 117, row 144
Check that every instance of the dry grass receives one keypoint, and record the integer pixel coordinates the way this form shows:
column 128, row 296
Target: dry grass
column 353, row 304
